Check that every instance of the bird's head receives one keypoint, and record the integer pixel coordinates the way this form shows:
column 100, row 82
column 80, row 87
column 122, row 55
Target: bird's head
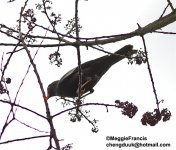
column 51, row 89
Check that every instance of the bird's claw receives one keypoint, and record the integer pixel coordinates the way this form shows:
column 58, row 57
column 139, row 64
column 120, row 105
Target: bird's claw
column 81, row 90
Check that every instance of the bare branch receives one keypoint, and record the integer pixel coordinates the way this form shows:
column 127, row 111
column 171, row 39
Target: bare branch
column 150, row 72
column 86, row 104
column 8, row 61
column 29, row 126
column 170, row 4
column 22, row 107
column 151, row 27
column 164, row 32
column 49, row 118
column 164, row 11
column 23, row 139
column 78, row 49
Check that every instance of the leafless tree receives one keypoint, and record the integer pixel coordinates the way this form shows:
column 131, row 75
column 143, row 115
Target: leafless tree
column 27, row 39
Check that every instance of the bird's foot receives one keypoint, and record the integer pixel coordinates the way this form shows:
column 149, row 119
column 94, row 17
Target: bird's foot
column 80, row 91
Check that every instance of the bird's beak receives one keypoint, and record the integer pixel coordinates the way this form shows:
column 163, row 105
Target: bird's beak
column 46, row 98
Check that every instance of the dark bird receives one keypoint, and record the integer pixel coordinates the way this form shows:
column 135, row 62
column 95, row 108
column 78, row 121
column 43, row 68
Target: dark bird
column 91, row 71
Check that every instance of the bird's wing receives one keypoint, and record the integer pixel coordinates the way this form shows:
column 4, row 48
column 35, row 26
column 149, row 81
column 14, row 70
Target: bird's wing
column 104, row 61
column 68, row 75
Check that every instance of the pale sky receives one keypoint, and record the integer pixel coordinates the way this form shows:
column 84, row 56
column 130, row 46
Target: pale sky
column 122, row 81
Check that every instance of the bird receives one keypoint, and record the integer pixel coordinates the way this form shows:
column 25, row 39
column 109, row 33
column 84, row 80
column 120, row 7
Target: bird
column 91, row 72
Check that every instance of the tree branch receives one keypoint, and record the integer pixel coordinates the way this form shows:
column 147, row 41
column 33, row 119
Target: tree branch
column 86, row 104
column 49, row 118
column 22, row 107
column 23, row 139
column 150, row 73
column 170, row 4
column 151, row 27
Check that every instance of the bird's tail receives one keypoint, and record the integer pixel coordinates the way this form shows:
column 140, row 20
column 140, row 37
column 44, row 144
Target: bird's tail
column 122, row 53
column 105, row 62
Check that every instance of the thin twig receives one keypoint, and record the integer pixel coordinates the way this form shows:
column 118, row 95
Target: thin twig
column 11, row 113
column 54, row 29
column 28, row 68
column 87, row 118
column 37, row 45
column 9, row 35
column 78, row 101
column 85, row 104
column 29, row 126
column 164, row 11
column 164, row 32
column 150, row 72
column 8, row 61
column 23, row 139
column 170, row 4
column 22, row 107
column 7, row 122
column 2, row 59
column 107, row 52
column 78, row 49
column 49, row 118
